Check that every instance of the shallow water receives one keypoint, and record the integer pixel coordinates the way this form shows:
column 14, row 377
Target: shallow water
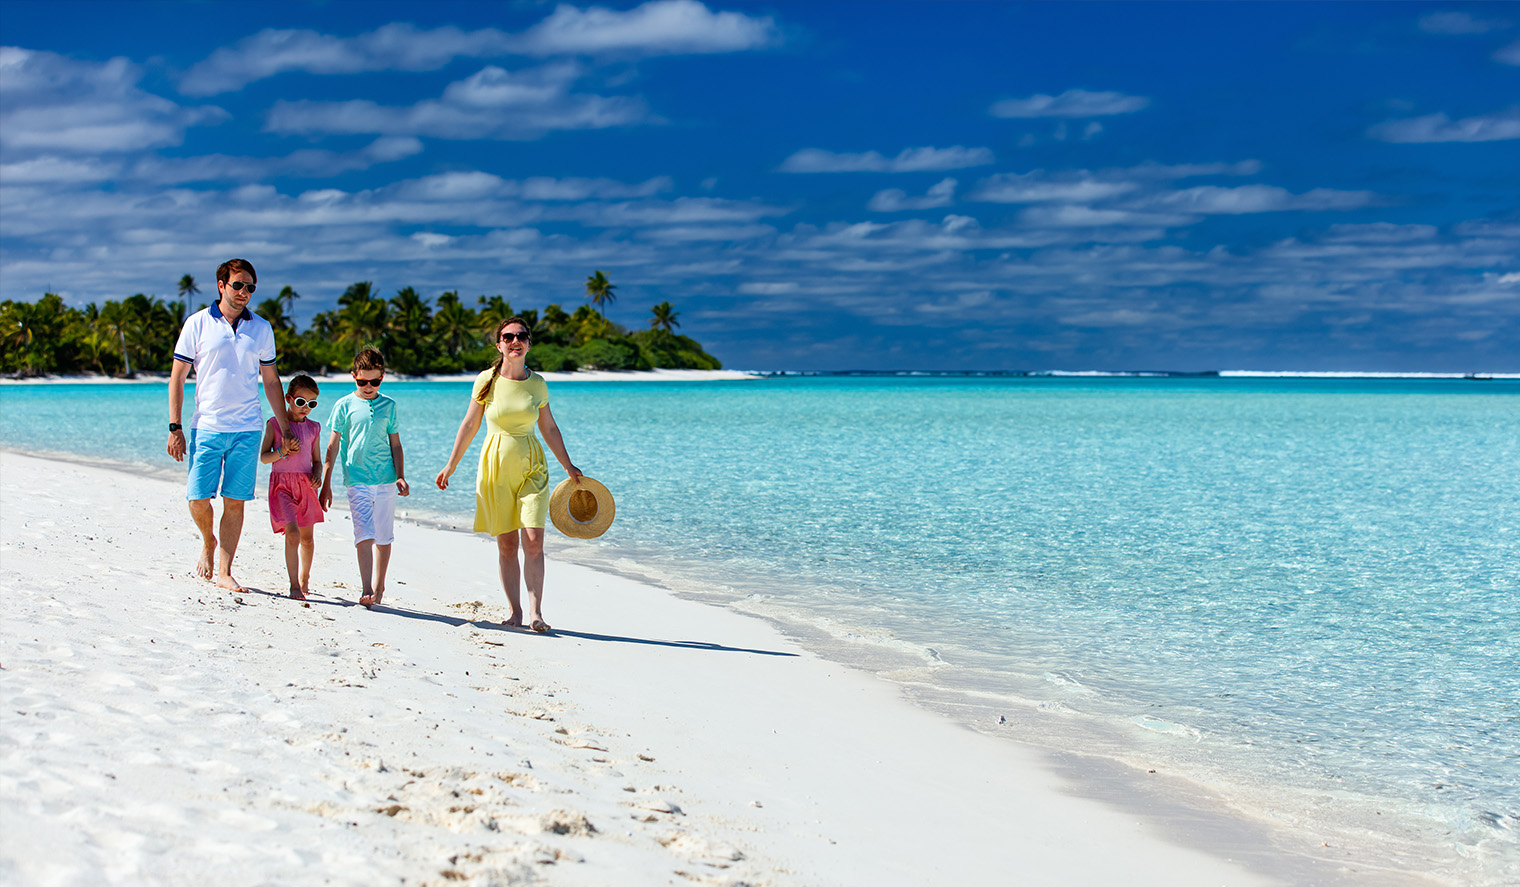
column 1303, row 593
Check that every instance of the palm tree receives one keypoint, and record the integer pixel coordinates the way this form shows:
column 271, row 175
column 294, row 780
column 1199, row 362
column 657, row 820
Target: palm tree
column 361, row 321
column 273, row 310
column 187, row 288
column 664, row 317
column 455, row 327
column 599, row 290
column 493, row 311
column 287, row 299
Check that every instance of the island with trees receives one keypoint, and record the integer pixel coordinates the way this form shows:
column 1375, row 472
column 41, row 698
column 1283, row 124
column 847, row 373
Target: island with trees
column 418, row 336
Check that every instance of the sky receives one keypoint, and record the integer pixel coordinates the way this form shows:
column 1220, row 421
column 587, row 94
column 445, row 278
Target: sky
column 893, row 186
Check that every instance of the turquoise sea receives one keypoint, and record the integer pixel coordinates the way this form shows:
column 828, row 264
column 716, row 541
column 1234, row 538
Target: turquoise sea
column 1301, row 595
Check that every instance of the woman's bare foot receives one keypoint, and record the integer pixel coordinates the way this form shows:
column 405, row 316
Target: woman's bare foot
column 367, row 599
column 379, row 594
column 297, row 593
column 206, row 566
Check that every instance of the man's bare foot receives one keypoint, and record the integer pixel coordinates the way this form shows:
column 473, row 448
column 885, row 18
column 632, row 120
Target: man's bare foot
column 206, row 566
column 226, row 581
column 514, row 621
column 539, row 626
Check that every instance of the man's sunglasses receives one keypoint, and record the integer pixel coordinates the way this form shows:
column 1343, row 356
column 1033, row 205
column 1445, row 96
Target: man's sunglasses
column 367, row 382
column 238, row 286
column 303, row 402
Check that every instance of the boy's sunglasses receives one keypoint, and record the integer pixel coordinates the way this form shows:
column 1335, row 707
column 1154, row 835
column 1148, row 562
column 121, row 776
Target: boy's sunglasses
column 239, row 286
column 367, row 382
column 303, row 402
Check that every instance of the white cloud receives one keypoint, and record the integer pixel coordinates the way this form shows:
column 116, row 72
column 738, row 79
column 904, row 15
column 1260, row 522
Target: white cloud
column 1088, row 217
column 1499, row 126
column 1213, row 200
column 1509, row 55
column 661, row 27
column 895, row 200
column 812, row 160
column 51, row 103
column 1041, row 187
column 1151, row 170
column 1459, row 23
column 1071, row 103
column 491, row 104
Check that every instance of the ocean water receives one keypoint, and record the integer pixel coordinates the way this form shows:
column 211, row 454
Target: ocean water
column 1302, row 596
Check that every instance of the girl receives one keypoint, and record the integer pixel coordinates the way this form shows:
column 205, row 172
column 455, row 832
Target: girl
column 294, row 508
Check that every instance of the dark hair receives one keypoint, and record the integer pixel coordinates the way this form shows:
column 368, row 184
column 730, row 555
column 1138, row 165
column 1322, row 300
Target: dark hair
column 225, row 270
column 485, row 391
column 368, row 358
column 301, row 380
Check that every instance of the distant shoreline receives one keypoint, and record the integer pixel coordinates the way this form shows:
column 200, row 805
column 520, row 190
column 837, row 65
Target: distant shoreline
column 662, row 375
column 674, row 375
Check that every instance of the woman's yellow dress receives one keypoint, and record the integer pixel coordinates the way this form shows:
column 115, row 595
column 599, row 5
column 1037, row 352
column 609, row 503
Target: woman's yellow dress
column 512, row 488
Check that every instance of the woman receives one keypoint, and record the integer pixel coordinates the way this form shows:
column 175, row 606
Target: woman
column 512, row 491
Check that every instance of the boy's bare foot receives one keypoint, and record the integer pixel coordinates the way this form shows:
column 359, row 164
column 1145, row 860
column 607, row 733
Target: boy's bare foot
column 206, row 566
column 226, row 581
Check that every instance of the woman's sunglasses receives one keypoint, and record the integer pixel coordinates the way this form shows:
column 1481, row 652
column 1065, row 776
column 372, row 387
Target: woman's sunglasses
column 303, row 402
column 238, row 286
column 515, row 337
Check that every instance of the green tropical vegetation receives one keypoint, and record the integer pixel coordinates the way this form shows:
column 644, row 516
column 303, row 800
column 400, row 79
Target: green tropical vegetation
column 137, row 334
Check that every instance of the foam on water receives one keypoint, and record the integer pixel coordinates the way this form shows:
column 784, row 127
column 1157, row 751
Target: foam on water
column 1303, row 594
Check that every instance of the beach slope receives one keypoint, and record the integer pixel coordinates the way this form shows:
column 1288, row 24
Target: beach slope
column 159, row 731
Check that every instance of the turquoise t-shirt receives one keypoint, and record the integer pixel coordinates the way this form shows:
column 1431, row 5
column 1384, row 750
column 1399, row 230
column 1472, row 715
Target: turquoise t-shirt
column 366, row 427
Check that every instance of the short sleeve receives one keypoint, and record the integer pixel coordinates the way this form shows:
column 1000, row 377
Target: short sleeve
column 339, row 418
column 482, row 389
column 543, row 393
column 188, row 343
column 393, row 420
column 266, row 349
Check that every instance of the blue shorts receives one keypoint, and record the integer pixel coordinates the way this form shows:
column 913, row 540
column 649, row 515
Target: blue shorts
column 225, row 460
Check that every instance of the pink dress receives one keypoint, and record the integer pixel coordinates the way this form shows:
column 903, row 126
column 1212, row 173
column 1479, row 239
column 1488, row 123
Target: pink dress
column 292, row 498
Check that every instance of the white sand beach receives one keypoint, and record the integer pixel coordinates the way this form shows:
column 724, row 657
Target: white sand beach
column 157, row 730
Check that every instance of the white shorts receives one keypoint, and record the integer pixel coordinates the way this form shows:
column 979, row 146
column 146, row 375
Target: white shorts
column 373, row 509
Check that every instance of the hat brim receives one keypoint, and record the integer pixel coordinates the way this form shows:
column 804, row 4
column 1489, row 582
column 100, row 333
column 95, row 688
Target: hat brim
column 595, row 515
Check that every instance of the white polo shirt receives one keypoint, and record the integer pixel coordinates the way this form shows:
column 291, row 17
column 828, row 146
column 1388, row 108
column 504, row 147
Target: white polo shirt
column 227, row 363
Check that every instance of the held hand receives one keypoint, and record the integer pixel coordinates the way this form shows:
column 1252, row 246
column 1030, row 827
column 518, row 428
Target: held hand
column 288, row 446
column 177, row 445
column 442, row 480
column 402, row 488
column 324, row 498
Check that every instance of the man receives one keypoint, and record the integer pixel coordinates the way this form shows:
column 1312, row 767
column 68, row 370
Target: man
column 232, row 350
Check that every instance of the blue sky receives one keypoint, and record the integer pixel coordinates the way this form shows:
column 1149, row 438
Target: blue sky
column 814, row 186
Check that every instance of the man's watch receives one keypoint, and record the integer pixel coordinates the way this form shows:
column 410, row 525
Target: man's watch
column 175, row 426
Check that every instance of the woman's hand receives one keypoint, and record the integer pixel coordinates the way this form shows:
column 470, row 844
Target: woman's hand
column 575, row 474
column 443, row 478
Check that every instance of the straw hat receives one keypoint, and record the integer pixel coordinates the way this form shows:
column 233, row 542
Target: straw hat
column 585, row 511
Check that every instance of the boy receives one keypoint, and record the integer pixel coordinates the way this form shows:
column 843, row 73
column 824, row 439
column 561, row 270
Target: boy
column 374, row 473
